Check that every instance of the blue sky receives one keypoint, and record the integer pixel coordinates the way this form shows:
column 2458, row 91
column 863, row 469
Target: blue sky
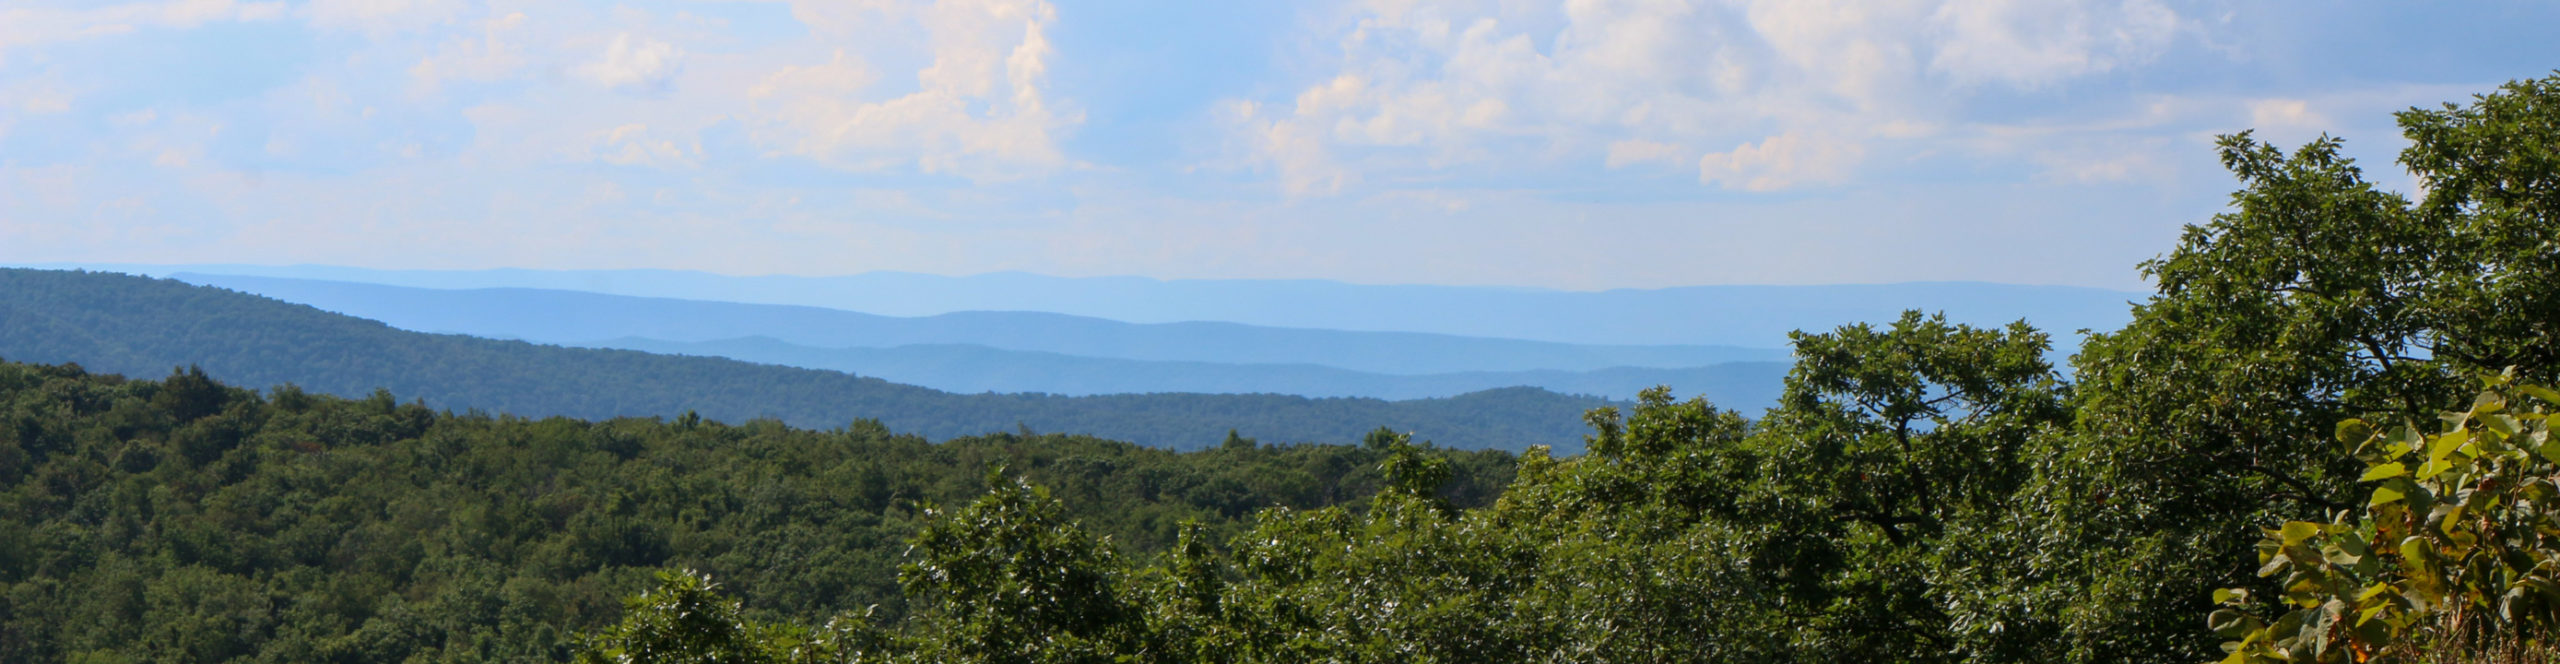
column 1578, row 144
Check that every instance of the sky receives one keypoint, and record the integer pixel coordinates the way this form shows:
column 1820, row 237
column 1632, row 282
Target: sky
column 1574, row 144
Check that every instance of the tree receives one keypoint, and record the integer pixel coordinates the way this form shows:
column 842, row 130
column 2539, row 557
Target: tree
column 1008, row 579
column 2319, row 297
column 2454, row 555
column 686, row 621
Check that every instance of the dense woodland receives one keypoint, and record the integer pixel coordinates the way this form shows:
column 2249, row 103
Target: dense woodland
column 2325, row 438
column 183, row 520
column 136, row 326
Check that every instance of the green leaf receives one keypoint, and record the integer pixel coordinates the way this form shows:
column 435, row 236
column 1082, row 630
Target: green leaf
column 2230, row 623
column 2297, row 531
column 2384, row 472
column 2415, row 553
column 2505, row 425
column 2387, row 494
column 2445, row 445
column 2544, row 393
column 2403, row 441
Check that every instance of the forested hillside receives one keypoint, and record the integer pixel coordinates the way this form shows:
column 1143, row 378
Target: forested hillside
column 188, row 521
column 138, row 326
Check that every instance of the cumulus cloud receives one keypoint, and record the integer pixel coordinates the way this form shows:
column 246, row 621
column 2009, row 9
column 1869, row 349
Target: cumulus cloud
column 979, row 110
column 634, row 145
column 635, row 64
column 2283, row 114
column 1781, row 162
column 2029, row 43
column 1805, row 89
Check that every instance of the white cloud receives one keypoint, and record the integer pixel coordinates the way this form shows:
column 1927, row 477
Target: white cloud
column 2030, row 43
column 381, row 17
column 635, row 64
column 1781, row 162
column 496, row 52
column 2284, row 114
column 634, row 145
column 26, row 27
column 980, row 109
column 1806, row 88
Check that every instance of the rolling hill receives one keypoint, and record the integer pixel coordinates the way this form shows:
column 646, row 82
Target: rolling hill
column 143, row 326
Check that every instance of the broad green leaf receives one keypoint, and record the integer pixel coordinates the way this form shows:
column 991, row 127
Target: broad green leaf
column 2386, row 494
column 2415, row 554
column 2539, row 392
column 2384, row 472
column 2487, row 402
column 2403, row 441
column 2297, row 531
column 2445, row 445
column 2503, row 424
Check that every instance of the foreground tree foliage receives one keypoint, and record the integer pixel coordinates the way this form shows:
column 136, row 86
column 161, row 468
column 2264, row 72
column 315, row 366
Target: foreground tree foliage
column 2456, row 551
column 1928, row 492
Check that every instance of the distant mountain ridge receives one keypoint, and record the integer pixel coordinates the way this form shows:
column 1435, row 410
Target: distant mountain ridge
column 1746, row 386
column 1738, row 315
column 141, row 326
column 558, row 316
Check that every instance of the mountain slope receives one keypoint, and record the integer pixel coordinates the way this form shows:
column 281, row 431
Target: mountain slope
column 557, row 316
column 141, row 326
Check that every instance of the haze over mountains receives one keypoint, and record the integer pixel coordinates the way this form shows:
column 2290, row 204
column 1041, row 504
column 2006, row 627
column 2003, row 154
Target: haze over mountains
column 1747, row 386
column 1024, row 333
column 1050, row 353
column 558, row 316
column 1744, row 315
